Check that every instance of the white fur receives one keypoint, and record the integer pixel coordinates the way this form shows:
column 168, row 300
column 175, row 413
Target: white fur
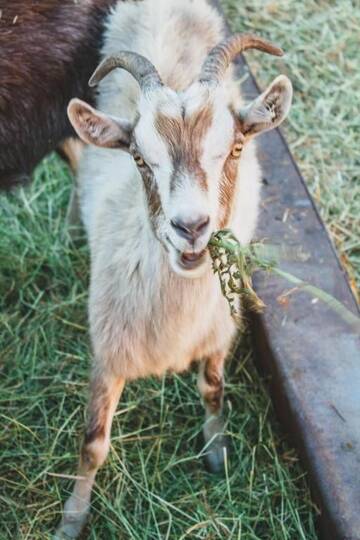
column 145, row 318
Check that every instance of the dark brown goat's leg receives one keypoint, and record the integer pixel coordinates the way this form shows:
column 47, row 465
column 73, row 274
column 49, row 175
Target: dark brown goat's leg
column 211, row 387
column 105, row 392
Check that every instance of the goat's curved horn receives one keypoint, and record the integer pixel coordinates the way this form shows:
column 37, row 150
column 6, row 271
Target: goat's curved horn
column 220, row 57
column 140, row 68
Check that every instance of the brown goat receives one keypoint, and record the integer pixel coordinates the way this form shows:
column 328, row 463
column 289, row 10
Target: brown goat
column 48, row 50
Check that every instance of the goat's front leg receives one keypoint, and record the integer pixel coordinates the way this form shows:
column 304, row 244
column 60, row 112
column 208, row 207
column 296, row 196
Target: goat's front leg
column 211, row 387
column 105, row 392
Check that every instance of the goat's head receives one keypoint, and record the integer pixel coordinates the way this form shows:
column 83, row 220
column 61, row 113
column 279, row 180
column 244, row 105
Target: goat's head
column 187, row 145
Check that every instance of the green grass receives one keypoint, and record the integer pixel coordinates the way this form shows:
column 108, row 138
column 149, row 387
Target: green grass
column 321, row 41
column 153, row 485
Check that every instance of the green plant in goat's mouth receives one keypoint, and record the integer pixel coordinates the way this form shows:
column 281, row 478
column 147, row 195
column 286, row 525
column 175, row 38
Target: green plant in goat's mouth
column 235, row 264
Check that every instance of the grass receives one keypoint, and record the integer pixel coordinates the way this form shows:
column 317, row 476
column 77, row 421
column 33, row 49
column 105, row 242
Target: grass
column 323, row 130
column 154, row 485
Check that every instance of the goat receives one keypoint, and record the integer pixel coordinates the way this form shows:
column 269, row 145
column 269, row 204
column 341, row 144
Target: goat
column 175, row 162
column 48, row 51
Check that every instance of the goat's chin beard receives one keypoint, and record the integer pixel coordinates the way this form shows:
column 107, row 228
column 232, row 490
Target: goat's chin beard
column 197, row 270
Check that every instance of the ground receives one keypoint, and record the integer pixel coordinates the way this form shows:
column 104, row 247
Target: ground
column 154, row 484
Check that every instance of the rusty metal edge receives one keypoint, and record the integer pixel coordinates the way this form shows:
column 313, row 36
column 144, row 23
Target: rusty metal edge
column 266, row 363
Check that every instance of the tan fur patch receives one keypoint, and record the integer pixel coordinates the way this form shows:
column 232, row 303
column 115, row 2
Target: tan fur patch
column 184, row 140
column 152, row 196
column 193, row 33
column 213, row 376
column 227, row 190
column 71, row 150
column 99, row 404
column 89, row 459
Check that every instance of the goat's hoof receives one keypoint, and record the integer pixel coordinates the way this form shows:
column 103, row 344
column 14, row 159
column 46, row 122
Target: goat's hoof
column 217, row 444
column 69, row 530
column 216, row 454
column 71, row 525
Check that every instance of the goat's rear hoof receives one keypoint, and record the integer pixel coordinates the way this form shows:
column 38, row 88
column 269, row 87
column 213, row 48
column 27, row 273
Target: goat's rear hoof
column 69, row 530
column 71, row 525
column 216, row 454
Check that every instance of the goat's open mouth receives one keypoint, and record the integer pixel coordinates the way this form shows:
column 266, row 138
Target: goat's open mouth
column 190, row 260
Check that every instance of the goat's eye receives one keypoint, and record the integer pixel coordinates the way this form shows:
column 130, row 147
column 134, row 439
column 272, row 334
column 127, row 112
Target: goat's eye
column 139, row 160
column 236, row 150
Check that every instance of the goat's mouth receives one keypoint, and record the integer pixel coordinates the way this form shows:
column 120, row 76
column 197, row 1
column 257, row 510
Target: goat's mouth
column 191, row 260
column 188, row 260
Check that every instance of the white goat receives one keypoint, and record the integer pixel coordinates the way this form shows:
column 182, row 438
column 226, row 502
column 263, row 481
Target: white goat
column 178, row 164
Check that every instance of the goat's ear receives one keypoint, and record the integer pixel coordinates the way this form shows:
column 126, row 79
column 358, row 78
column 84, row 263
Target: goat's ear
column 97, row 128
column 269, row 109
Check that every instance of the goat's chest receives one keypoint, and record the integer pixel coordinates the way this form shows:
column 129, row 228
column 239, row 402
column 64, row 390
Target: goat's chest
column 149, row 328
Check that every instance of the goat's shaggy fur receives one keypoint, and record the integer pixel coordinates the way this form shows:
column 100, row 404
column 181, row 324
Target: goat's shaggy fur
column 48, row 50
column 132, row 286
column 148, row 315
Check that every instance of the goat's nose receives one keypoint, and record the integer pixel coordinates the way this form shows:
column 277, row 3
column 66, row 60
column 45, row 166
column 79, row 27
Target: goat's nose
column 191, row 230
